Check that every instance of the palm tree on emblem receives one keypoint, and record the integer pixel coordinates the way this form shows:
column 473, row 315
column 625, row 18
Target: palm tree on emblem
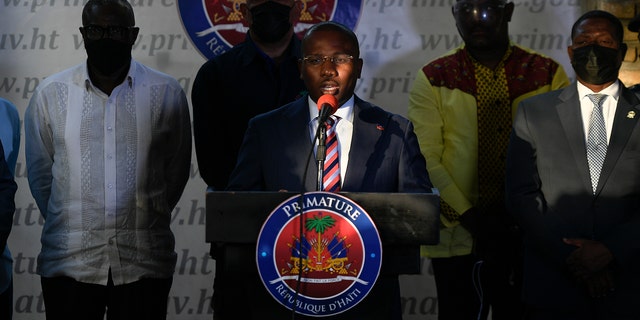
column 320, row 224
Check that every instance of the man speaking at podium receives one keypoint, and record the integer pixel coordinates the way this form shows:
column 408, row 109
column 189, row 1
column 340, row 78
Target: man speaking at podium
column 378, row 152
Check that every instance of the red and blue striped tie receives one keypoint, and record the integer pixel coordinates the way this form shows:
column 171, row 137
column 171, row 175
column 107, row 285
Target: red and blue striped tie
column 331, row 178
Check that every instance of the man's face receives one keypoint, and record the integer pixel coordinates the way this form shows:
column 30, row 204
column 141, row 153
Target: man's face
column 337, row 77
column 596, row 31
column 245, row 9
column 109, row 22
column 253, row 3
column 482, row 23
column 108, row 34
column 595, row 52
column 271, row 21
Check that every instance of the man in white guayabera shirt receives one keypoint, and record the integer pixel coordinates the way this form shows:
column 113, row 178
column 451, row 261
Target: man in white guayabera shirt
column 108, row 150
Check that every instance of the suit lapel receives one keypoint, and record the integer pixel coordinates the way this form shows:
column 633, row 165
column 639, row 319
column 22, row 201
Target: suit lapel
column 365, row 132
column 571, row 119
column 294, row 128
column 625, row 120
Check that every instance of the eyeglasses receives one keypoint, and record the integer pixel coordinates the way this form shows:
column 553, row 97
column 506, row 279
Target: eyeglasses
column 467, row 8
column 94, row 32
column 338, row 59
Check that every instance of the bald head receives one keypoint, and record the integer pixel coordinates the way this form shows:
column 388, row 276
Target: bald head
column 123, row 6
column 333, row 26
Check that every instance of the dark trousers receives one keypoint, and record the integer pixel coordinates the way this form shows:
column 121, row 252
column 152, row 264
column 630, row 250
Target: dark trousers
column 502, row 290
column 468, row 288
column 6, row 302
column 591, row 312
column 534, row 313
column 595, row 309
column 458, row 298
column 66, row 298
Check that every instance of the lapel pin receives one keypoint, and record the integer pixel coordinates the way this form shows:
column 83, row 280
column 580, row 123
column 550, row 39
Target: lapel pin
column 379, row 127
column 631, row 114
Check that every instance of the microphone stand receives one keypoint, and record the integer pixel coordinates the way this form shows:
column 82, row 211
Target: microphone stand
column 321, row 151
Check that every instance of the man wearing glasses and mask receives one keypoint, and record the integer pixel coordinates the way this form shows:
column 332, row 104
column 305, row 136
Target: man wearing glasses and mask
column 108, row 152
column 461, row 105
column 255, row 76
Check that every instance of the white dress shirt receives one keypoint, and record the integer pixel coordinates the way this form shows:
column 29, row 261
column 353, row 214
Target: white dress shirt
column 106, row 173
column 608, row 108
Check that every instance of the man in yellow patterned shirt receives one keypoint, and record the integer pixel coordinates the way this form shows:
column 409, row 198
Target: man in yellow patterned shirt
column 462, row 106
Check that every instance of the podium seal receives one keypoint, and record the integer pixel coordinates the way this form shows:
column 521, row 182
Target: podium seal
column 325, row 265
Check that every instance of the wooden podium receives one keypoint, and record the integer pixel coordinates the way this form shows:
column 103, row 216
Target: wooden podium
column 404, row 221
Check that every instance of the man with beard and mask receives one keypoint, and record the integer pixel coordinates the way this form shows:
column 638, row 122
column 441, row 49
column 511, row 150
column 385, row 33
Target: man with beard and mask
column 255, row 76
column 108, row 153
column 461, row 105
column 573, row 184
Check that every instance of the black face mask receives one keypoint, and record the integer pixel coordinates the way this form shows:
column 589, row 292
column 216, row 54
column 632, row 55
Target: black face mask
column 270, row 21
column 108, row 55
column 596, row 64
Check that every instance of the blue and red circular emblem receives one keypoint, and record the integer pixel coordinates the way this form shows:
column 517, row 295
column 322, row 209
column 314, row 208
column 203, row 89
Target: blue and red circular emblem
column 215, row 26
column 326, row 267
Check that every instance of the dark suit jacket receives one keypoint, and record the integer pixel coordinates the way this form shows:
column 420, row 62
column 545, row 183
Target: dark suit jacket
column 227, row 92
column 549, row 193
column 384, row 157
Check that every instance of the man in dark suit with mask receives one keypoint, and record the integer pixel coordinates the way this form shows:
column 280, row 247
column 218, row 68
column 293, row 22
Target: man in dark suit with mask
column 255, row 76
column 573, row 185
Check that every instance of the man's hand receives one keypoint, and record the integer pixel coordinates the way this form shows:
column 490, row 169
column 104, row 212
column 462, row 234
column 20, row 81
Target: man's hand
column 588, row 264
column 600, row 284
column 589, row 257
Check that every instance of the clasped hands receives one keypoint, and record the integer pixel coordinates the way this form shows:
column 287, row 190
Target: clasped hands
column 589, row 265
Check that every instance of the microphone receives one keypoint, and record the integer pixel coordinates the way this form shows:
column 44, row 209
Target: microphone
column 327, row 105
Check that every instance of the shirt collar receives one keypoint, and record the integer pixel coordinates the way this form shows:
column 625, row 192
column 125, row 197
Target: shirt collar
column 502, row 61
column 613, row 90
column 345, row 111
column 130, row 78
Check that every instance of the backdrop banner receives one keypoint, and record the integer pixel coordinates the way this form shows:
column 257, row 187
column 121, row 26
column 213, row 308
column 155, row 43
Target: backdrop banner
column 41, row 37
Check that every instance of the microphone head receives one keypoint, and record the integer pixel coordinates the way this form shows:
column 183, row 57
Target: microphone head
column 330, row 100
